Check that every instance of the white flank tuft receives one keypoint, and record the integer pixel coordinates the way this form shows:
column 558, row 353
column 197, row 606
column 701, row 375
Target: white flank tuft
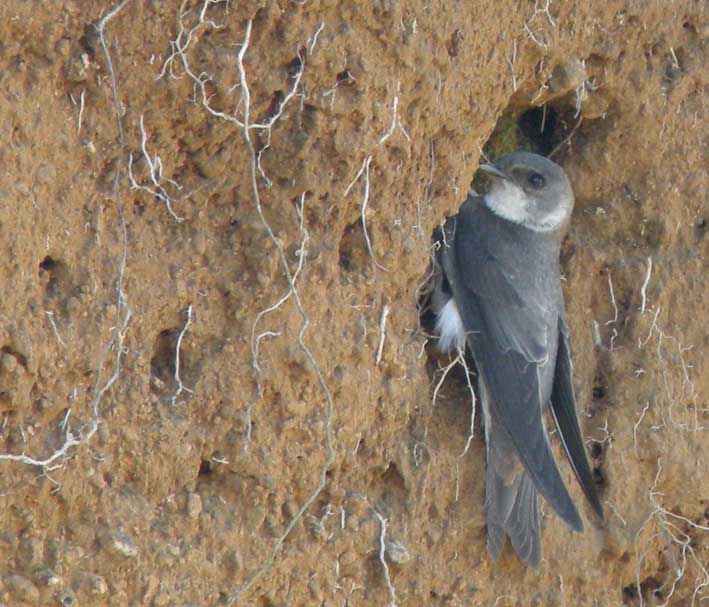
column 449, row 326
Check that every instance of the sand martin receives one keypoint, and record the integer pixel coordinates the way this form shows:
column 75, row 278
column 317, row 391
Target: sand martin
column 499, row 293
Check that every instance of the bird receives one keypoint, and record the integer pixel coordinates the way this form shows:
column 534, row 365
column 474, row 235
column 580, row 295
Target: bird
column 497, row 290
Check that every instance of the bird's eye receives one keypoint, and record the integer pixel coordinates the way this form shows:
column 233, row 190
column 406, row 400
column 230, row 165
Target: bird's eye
column 536, row 180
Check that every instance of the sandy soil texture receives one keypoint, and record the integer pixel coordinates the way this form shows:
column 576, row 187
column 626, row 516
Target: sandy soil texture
column 216, row 385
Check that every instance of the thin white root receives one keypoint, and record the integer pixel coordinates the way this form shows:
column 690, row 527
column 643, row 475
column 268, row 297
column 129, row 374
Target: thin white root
column 677, row 540
column 446, row 370
column 382, row 559
column 643, row 289
column 382, row 334
column 473, row 401
column 50, row 316
column 255, row 341
column 114, row 348
column 155, row 175
column 614, row 320
column 294, row 293
column 364, row 171
column 365, row 202
column 539, row 11
column 636, row 426
column 512, row 62
column 178, row 348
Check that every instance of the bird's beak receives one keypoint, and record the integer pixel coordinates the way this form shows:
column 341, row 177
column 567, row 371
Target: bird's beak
column 492, row 170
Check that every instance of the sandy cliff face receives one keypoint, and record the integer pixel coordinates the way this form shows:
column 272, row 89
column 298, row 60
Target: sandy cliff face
column 214, row 384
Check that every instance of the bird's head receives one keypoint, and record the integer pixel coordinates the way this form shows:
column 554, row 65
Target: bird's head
column 530, row 190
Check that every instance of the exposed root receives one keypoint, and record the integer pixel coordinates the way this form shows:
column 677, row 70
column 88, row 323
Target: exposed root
column 473, row 402
column 114, row 349
column 512, row 62
column 544, row 10
column 155, row 175
column 643, row 289
column 382, row 558
column 295, row 295
column 178, row 348
column 680, row 547
column 364, row 171
column 50, row 317
column 382, row 334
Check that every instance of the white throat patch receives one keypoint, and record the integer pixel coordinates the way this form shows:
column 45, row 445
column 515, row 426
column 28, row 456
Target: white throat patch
column 554, row 220
column 509, row 201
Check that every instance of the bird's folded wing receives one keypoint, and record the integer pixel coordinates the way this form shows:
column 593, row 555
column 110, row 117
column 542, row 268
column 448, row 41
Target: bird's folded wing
column 563, row 405
column 514, row 385
column 508, row 327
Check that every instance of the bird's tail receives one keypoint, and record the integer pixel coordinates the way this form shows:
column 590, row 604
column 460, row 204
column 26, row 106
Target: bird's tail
column 510, row 494
column 512, row 510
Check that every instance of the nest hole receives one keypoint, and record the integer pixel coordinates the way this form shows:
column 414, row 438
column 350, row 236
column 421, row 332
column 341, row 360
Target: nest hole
column 48, row 264
column 55, row 275
column 540, row 126
column 353, row 248
column 596, row 450
column 162, row 363
column 630, row 593
column 538, row 129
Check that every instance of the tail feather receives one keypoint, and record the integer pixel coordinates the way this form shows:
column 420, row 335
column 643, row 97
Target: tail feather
column 512, row 510
column 510, row 494
column 523, row 523
column 499, row 502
